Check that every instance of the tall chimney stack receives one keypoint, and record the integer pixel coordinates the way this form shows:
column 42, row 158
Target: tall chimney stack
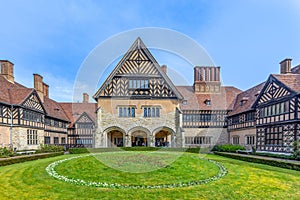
column 38, row 85
column 207, row 79
column 85, row 98
column 7, row 70
column 285, row 66
column 46, row 90
column 164, row 68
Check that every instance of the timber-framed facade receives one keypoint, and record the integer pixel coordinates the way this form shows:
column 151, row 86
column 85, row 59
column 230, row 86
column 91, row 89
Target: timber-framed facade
column 138, row 105
column 267, row 115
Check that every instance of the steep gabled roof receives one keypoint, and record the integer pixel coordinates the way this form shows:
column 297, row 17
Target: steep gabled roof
column 83, row 118
column 292, row 81
column 145, row 56
column 245, row 100
column 54, row 109
column 75, row 110
column 296, row 70
column 13, row 93
column 219, row 101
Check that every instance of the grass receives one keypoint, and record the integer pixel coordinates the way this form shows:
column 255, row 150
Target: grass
column 244, row 181
column 146, row 168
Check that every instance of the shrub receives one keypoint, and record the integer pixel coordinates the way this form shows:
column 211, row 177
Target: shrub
column 5, row 152
column 296, row 150
column 19, row 159
column 78, row 150
column 267, row 154
column 228, row 148
column 45, row 148
column 272, row 162
column 100, row 150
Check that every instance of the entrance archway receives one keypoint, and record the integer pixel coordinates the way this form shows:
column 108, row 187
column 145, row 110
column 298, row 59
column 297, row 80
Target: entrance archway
column 163, row 137
column 139, row 138
column 115, row 138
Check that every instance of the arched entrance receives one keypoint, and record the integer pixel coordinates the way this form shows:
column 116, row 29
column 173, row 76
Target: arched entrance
column 115, row 138
column 163, row 137
column 139, row 138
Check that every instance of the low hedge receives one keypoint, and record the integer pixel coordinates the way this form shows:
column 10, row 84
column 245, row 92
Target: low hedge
column 99, row 150
column 272, row 162
column 290, row 157
column 78, row 150
column 228, row 148
column 20, row 159
column 46, row 148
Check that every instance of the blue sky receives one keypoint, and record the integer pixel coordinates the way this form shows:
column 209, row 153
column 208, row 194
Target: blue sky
column 246, row 38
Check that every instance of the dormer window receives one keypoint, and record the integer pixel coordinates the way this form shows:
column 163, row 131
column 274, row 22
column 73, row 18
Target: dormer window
column 243, row 100
column 207, row 102
column 184, row 102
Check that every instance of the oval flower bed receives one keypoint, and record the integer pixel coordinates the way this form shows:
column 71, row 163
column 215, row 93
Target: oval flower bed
column 111, row 170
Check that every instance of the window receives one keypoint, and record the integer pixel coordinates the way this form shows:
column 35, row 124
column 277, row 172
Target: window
column 47, row 140
column 84, row 141
column 273, row 136
column 250, row 140
column 32, row 138
column 275, row 109
column 126, row 111
column 56, row 140
column 204, row 117
column 63, row 140
column 139, row 84
column 47, row 121
column 207, row 102
column 184, row 102
column 235, row 140
column 56, row 124
column 151, row 111
column 32, row 116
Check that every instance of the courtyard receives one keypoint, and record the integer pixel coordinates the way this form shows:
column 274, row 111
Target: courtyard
column 181, row 176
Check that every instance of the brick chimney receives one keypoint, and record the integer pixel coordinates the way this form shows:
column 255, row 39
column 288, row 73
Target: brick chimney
column 7, row 70
column 207, row 79
column 46, row 90
column 285, row 66
column 164, row 68
column 85, row 98
column 38, row 85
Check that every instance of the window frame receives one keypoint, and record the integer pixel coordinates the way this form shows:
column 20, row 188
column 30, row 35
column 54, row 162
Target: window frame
column 151, row 111
column 32, row 137
column 126, row 111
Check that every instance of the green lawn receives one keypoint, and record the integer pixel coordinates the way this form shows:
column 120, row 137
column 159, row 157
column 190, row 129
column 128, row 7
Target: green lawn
column 146, row 168
column 244, row 180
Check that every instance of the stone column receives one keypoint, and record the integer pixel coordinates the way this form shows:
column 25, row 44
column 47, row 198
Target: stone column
column 127, row 140
column 151, row 141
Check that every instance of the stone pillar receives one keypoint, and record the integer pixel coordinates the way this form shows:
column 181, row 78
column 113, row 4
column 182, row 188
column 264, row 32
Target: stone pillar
column 151, row 141
column 127, row 140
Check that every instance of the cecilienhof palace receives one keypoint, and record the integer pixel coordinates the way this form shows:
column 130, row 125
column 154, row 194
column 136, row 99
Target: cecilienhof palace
column 138, row 105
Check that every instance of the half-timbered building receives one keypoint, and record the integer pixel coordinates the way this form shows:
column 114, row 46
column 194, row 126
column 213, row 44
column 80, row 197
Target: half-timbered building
column 267, row 115
column 28, row 117
column 82, row 124
column 205, row 107
column 138, row 105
